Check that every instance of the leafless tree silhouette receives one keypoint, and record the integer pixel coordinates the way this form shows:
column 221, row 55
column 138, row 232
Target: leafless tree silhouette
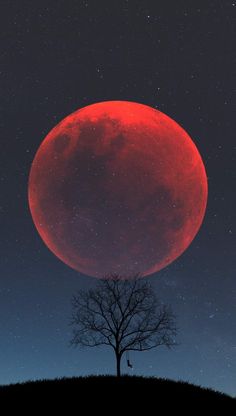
column 124, row 314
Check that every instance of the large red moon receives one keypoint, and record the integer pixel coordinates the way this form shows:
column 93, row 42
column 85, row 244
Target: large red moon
column 117, row 187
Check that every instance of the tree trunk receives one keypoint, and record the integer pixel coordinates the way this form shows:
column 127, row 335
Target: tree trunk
column 118, row 360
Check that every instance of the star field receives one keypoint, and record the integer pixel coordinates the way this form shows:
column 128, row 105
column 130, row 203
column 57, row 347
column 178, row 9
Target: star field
column 58, row 57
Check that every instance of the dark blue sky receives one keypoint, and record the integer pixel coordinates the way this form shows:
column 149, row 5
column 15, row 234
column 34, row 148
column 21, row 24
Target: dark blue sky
column 60, row 56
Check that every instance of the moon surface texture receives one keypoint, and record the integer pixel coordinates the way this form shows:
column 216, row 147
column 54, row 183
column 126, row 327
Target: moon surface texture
column 117, row 187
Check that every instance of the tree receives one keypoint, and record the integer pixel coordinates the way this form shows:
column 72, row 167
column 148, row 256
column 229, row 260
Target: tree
column 122, row 314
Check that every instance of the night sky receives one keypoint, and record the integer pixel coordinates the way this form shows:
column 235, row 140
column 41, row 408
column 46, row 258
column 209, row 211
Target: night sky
column 178, row 57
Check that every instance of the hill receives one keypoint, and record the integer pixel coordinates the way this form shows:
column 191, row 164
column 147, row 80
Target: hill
column 108, row 392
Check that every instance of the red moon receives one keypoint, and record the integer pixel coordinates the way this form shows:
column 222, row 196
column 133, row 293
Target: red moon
column 117, row 187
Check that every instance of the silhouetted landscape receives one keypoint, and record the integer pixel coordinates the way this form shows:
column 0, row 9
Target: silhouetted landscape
column 138, row 390
column 117, row 206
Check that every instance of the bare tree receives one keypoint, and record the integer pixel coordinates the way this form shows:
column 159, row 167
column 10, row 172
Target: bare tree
column 123, row 314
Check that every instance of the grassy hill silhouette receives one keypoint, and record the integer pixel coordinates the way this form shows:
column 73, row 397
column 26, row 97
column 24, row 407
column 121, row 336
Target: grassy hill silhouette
column 137, row 391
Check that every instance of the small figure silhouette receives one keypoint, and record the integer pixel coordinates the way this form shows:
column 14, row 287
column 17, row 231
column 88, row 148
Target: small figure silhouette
column 129, row 364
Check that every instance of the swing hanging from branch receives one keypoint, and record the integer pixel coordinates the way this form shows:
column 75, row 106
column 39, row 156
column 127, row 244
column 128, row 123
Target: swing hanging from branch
column 129, row 364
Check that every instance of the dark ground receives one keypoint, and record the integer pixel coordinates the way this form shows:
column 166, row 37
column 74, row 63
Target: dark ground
column 109, row 395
